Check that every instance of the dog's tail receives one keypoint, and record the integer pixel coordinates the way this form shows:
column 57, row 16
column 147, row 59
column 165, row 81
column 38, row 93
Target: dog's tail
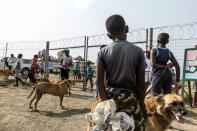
column 32, row 92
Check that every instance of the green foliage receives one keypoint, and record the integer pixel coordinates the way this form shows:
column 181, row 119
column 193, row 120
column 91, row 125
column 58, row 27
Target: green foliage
column 79, row 59
column 60, row 54
column 89, row 62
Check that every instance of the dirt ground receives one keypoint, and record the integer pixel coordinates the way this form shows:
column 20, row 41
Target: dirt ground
column 15, row 115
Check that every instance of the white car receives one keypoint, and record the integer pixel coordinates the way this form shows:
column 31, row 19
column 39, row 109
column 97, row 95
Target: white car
column 25, row 66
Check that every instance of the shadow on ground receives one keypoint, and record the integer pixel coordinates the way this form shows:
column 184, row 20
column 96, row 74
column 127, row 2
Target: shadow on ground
column 66, row 113
column 80, row 96
column 6, row 83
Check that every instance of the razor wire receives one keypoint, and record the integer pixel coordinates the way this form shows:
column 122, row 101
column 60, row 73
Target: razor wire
column 75, row 44
column 181, row 37
column 67, row 43
column 27, row 48
column 2, row 49
column 98, row 40
column 178, row 32
column 135, row 36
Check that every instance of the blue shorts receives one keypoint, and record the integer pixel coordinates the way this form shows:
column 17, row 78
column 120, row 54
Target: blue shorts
column 161, row 83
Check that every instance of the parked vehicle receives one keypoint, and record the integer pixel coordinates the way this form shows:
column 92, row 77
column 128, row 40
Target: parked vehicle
column 25, row 66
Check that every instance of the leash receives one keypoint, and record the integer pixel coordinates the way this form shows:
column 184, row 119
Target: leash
column 150, row 87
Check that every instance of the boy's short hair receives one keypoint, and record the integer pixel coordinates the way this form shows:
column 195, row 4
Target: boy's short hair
column 20, row 55
column 114, row 24
column 147, row 52
column 66, row 50
column 163, row 36
column 35, row 56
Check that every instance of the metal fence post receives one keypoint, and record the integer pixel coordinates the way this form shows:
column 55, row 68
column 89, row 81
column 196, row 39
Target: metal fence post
column 147, row 39
column 46, row 61
column 87, row 39
column 6, row 49
column 151, row 39
column 84, row 64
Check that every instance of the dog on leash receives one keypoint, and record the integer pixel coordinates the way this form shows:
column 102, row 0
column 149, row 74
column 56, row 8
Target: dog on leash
column 72, row 82
column 41, row 88
column 5, row 73
column 164, row 109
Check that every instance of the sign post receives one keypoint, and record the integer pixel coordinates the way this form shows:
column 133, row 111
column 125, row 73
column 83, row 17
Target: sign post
column 189, row 70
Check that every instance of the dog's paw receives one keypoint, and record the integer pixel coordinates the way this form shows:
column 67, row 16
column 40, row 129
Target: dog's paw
column 62, row 107
column 35, row 110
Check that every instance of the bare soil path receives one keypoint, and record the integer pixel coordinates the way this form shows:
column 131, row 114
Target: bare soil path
column 15, row 115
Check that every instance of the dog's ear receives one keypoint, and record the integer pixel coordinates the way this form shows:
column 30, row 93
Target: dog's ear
column 160, row 100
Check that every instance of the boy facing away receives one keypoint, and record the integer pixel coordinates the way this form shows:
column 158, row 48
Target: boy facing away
column 161, row 75
column 18, row 68
column 123, row 63
column 90, row 74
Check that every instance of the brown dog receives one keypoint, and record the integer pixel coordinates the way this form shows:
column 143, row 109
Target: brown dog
column 72, row 82
column 5, row 73
column 163, row 110
column 41, row 88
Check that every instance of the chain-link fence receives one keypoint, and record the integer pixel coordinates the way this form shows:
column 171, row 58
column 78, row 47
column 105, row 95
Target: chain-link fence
column 2, row 49
column 138, row 36
column 181, row 37
column 27, row 48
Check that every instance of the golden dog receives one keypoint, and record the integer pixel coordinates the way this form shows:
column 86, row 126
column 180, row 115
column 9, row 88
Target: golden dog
column 41, row 88
column 72, row 82
column 5, row 73
column 163, row 110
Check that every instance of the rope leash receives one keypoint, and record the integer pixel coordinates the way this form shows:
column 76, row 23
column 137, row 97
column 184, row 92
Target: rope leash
column 150, row 87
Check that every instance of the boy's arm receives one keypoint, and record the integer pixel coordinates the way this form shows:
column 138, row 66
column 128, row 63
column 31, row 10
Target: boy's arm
column 17, row 64
column 176, row 64
column 100, row 84
column 100, row 72
column 153, row 60
column 140, row 82
column 61, row 61
column 71, row 62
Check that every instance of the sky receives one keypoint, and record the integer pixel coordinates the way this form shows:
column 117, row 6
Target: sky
column 42, row 20
column 55, row 19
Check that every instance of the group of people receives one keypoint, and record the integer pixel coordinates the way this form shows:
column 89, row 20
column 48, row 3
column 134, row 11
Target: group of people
column 67, row 63
column 121, row 67
column 15, row 64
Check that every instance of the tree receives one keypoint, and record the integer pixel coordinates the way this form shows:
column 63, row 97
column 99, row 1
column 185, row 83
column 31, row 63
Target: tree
column 89, row 62
column 60, row 54
column 79, row 59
